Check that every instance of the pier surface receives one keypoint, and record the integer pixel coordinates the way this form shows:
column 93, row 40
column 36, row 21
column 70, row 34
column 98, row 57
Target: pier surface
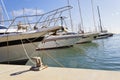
column 18, row 72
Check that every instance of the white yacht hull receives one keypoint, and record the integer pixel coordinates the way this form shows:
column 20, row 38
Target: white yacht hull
column 87, row 37
column 85, row 40
column 60, row 41
column 16, row 46
column 16, row 52
column 104, row 35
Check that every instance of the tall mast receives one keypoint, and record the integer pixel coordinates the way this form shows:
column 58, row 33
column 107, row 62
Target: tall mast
column 100, row 22
column 1, row 16
column 93, row 15
column 71, row 22
column 81, row 19
column 3, row 5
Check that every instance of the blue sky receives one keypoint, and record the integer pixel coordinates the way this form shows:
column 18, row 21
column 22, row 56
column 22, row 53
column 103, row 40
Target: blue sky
column 110, row 11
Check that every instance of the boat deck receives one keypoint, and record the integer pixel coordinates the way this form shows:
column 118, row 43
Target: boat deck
column 18, row 72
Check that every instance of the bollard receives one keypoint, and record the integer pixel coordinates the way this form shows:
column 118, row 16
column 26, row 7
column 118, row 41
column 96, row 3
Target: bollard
column 39, row 65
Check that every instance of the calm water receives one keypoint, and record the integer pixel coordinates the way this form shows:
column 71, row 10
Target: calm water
column 103, row 54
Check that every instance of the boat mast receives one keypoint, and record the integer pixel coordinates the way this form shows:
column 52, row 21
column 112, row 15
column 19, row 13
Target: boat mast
column 1, row 16
column 100, row 22
column 80, row 13
column 71, row 22
column 3, row 5
column 93, row 15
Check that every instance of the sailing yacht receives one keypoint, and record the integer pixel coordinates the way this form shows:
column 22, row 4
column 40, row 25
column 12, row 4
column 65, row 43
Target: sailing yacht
column 102, row 33
column 86, row 37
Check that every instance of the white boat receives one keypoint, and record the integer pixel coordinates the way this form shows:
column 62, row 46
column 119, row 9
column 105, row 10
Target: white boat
column 22, row 35
column 103, row 33
column 59, row 41
column 87, row 37
column 11, row 45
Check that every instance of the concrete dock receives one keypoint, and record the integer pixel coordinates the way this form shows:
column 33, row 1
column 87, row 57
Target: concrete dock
column 18, row 72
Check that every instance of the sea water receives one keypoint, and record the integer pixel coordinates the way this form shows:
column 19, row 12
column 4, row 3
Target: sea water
column 102, row 54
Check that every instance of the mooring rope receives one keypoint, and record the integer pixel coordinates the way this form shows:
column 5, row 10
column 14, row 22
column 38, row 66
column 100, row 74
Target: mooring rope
column 26, row 52
column 57, row 62
column 44, row 52
column 88, row 56
column 54, row 60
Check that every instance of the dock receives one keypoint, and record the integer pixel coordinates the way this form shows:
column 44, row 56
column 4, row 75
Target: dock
column 21, row 72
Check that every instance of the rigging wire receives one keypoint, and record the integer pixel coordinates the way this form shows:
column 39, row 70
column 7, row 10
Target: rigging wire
column 57, row 62
column 93, row 15
column 54, row 60
column 65, row 22
column 71, row 22
column 57, row 19
column 80, row 13
column 1, row 16
column 28, row 23
column 5, row 9
column 26, row 19
column 100, row 21
column 44, row 53
column 86, row 55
